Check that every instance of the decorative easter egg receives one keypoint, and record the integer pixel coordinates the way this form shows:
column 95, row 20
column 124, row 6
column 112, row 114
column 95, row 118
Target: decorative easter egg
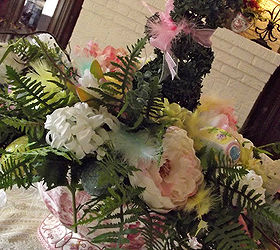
column 221, row 140
column 91, row 179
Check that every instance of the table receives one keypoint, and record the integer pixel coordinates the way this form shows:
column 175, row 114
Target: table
column 20, row 218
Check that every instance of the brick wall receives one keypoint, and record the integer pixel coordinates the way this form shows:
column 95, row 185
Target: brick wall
column 112, row 22
column 240, row 69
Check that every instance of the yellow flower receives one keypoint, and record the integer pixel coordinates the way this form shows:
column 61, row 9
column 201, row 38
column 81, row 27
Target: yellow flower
column 176, row 115
column 202, row 202
column 247, row 159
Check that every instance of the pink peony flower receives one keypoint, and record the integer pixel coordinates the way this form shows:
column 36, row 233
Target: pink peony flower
column 177, row 177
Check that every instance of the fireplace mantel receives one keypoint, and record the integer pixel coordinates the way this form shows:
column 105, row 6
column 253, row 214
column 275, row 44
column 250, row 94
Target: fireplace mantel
column 240, row 70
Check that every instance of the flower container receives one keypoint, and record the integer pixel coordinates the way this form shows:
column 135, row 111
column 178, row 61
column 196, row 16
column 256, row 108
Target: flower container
column 56, row 230
column 240, row 23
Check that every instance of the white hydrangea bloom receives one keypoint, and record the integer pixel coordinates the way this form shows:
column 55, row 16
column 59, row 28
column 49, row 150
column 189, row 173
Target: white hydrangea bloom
column 255, row 182
column 87, row 80
column 272, row 172
column 79, row 129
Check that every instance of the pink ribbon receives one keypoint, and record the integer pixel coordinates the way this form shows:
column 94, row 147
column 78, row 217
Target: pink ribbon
column 163, row 30
column 201, row 36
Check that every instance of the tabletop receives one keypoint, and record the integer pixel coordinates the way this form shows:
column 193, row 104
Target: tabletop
column 20, row 218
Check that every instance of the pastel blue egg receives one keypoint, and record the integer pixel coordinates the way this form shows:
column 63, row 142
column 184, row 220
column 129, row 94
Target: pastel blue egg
column 234, row 153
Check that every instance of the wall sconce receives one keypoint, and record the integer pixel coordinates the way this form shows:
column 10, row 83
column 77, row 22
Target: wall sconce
column 269, row 33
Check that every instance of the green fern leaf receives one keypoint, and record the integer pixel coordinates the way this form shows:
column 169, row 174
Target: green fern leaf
column 127, row 69
column 33, row 129
column 226, row 233
column 31, row 98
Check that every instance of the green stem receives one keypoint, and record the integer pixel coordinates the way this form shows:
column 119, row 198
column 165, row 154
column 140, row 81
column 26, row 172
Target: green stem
column 73, row 192
column 268, row 145
column 121, row 227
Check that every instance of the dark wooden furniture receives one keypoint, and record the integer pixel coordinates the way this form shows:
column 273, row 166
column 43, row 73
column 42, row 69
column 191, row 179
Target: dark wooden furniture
column 263, row 123
column 64, row 20
column 61, row 25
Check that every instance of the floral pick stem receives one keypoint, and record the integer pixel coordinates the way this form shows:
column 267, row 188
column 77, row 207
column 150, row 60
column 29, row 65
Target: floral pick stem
column 73, row 193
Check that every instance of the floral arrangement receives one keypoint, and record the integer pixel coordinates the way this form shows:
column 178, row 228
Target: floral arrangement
column 252, row 9
column 157, row 172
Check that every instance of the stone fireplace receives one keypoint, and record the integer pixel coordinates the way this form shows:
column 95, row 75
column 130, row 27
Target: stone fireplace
column 240, row 70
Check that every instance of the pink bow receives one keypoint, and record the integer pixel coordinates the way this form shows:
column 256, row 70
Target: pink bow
column 162, row 30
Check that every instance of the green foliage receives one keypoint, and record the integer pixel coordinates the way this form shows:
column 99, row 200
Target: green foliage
column 33, row 164
column 261, row 222
column 144, row 101
column 7, row 134
column 269, row 149
column 32, row 50
column 234, row 195
column 154, row 230
column 226, row 176
column 112, row 172
column 270, row 212
column 225, row 233
column 31, row 98
column 53, row 171
column 218, row 166
column 194, row 63
column 16, row 170
column 194, row 60
column 25, row 50
column 211, row 13
column 117, row 205
column 106, row 211
column 33, row 129
column 126, row 70
column 58, row 60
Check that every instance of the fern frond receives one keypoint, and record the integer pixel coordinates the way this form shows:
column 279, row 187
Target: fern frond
column 266, row 220
column 154, row 230
column 31, row 97
column 218, row 164
column 7, row 134
column 116, row 225
column 25, row 50
column 33, row 129
column 16, row 170
column 154, row 102
column 20, row 168
column 234, row 195
column 270, row 149
column 126, row 70
column 225, row 233
column 271, row 213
